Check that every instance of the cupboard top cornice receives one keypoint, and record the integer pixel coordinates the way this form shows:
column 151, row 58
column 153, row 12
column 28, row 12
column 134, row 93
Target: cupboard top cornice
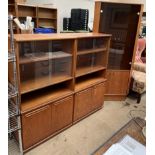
column 113, row 2
column 58, row 36
column 26, row 5
column 35, row 6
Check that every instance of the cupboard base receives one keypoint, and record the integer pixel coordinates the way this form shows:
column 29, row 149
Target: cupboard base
column 92, row 112
column 47, row 138
column 56, row 133
column 114, row 97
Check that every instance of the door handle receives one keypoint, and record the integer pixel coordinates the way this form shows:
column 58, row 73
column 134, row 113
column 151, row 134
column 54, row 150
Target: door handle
column 36, row 111
column 101, row 11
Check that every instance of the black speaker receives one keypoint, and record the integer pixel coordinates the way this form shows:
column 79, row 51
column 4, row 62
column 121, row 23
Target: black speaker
column 66, row 24
column 79, row 19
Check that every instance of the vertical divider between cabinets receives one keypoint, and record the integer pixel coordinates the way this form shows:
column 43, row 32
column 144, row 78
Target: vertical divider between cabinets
column 107, row 56
column 108, row 50
column 97, row 15
column 37, row 19
column 74, row 72
column 56, row 20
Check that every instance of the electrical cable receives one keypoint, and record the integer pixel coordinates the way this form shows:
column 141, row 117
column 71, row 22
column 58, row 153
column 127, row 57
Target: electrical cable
column 133, row 117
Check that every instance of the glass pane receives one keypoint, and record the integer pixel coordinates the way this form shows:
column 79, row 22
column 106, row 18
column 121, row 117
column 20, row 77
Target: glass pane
column 120, row 20
column 88, row 63
column 116, row 56
column 91, row 44
column 44, row 63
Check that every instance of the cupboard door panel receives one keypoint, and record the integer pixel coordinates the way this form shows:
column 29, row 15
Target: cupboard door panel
column 36, row 125
column 83, row 103
column 98, row 95
column 62, row 112
column 117, row 82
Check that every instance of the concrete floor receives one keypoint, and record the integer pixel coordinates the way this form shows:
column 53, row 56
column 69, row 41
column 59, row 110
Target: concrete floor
column 86, row 136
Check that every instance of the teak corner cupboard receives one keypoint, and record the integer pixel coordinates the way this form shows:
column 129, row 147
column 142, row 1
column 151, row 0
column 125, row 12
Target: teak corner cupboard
column 122, row 20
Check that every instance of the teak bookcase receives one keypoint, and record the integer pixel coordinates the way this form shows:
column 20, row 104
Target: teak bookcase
column 61, row 79
column 123, row 22
column 41, row 16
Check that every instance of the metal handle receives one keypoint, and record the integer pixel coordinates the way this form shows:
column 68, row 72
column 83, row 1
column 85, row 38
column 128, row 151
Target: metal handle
column 59, row 102
column 36, row 111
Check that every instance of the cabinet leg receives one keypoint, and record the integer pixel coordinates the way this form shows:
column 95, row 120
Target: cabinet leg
column 139, row 98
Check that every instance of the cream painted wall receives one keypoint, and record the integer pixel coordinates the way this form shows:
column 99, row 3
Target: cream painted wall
column 64, row 7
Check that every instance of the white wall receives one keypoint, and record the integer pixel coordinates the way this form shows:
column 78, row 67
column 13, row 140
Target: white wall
column 64, row 7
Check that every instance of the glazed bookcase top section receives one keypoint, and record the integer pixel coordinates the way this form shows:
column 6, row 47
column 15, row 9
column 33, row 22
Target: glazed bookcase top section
column 58, row 36
column 112, row 2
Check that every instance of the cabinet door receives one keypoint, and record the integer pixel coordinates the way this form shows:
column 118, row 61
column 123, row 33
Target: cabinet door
column 62, row 113
column 117, row 82
column 122, row 21
column 36, row 125
column 83, row 103
column 98, row 96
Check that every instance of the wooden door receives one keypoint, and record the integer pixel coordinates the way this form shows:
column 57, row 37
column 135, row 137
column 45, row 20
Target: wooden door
column 117, row 82
column 83, row 103
column 62, row 112
column 98, row 96
column 36, row 125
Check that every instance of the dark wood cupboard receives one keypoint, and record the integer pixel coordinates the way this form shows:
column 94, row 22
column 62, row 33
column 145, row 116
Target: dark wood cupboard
column 122, row 20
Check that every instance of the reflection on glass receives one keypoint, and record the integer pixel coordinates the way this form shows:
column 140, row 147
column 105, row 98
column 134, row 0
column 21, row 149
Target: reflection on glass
column 43, row 63
column 90, row 44
column 89, row 63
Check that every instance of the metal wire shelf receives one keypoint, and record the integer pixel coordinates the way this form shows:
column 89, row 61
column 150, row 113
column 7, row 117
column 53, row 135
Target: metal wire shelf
column 12, row 92
column 11, row 57
column 13, row 148
column 13, row 124
column 12, row 109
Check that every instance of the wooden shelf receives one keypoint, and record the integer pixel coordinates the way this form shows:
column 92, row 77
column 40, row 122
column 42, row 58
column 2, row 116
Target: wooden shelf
column 49, row 18
column 89, row 51
column 88, row 70
column 26, row 5
column 41, row 16
column 54, row 55
column 41, row 99
column 88, row 82
column 11, row 4
column 47, row 26
column 57, row 36
column 41, row 82
column 25, row 16
column 46, row 7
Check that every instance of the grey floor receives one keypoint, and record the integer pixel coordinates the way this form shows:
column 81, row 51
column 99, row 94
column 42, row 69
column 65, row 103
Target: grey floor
column 86, row 136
